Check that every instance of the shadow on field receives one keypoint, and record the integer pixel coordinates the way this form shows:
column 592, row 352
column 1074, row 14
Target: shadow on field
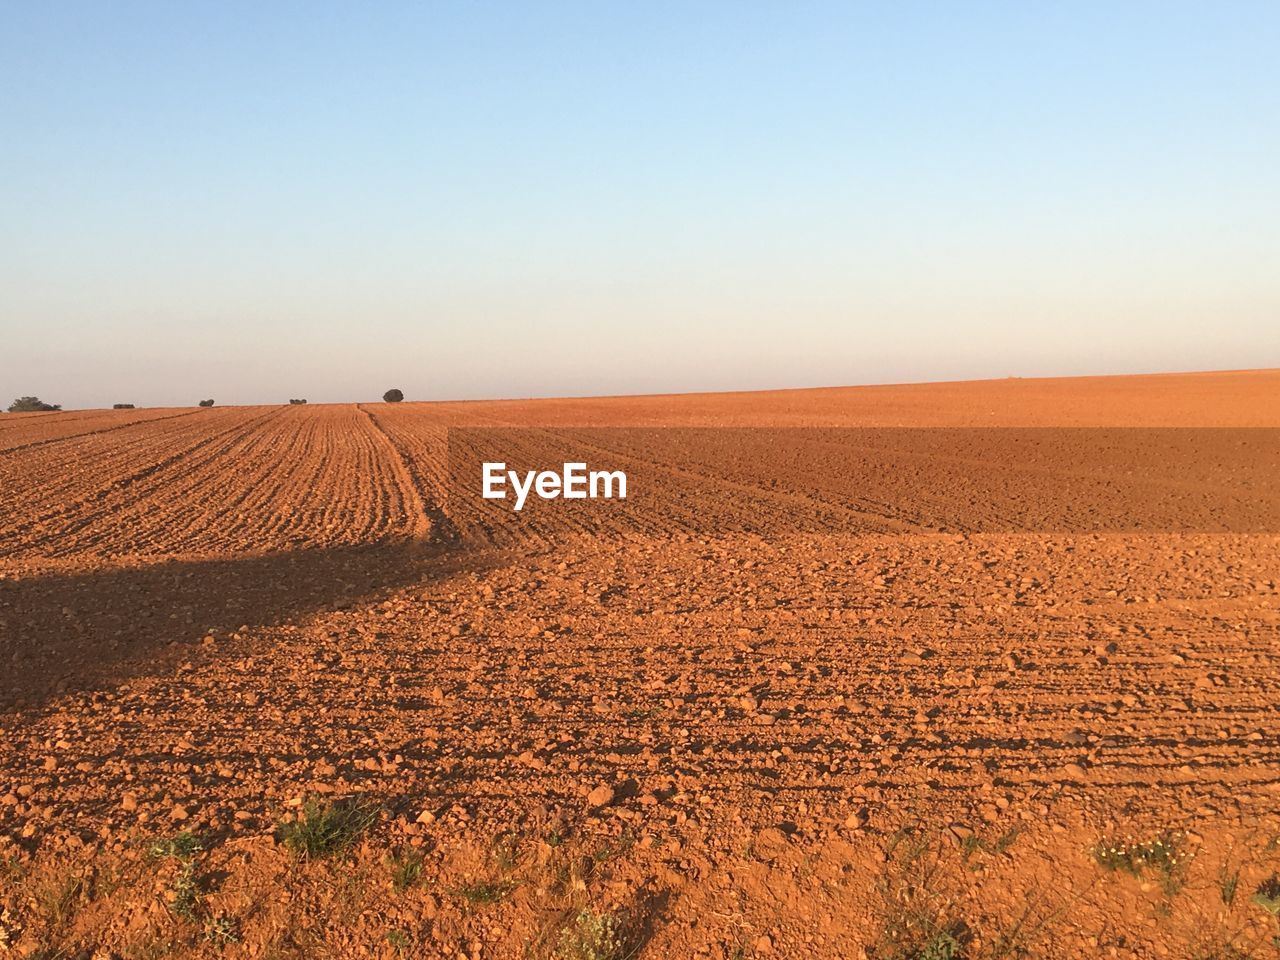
column 61, row 632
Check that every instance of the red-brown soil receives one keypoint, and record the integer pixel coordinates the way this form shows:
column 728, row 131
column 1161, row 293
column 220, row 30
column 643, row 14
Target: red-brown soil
column 853, row 672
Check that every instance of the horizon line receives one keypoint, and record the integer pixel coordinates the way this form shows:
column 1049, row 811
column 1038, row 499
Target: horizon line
column 701, row 393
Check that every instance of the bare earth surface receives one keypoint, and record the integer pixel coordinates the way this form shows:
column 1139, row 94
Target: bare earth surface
column 933, row 671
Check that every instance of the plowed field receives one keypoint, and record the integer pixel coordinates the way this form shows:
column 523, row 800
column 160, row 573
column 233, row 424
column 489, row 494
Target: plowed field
column 947, row 670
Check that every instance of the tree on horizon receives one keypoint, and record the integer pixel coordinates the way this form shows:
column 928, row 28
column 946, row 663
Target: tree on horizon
column 32, row 405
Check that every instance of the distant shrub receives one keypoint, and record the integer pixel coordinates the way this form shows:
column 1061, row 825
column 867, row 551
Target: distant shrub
column 393, row 395
column 206, row 403
column 122, row 406
column 296, row 402
column 32, row 405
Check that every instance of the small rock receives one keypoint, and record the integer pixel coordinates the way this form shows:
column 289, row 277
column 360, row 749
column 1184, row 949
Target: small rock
column 769, row 844
column 601, row 796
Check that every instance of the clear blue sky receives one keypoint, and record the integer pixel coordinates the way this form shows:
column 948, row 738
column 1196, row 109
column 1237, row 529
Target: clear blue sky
column 253, row 201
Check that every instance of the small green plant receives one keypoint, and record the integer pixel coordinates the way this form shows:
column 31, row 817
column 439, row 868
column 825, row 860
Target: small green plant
column 182, row 846
column 325, row 829
column 590, row 936
column 1002, row 843
column 942, row 946
column 59, row 898
column 554, row 838
column 506, row 852
column 406, row 869
column 183, row 849
column 1163, row 854
column 1029, row 926
column 186, row 893
column 919, row 920
column 485, row 892
column 615, row 849
column 916, row 935
column 1221, row 950
column 11, row 868
column 398, row 939
column 1228, row 882
column 1267, row 896
column 155, row 948
column 222, row 931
